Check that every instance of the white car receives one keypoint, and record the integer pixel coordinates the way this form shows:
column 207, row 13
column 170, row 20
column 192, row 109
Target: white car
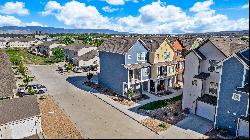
column 36, row 87
column 77, row 70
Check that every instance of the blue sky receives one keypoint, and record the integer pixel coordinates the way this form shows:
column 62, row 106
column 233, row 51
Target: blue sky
column 140, row 16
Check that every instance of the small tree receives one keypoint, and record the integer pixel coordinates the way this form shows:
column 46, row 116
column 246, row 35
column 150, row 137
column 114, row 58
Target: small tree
column 31, row 91
column 26, row 80
column 69, row 66
column 131, row 93
column 90, row 76
column 21, row 69
column 58, row 54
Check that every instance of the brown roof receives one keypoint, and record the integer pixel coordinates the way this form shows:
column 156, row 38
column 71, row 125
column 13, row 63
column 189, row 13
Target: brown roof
column 153, row 43
column 187, row 42
column 7, row 78
column 87, row 56
column 22, row 39
column 76, row 46
column 117, row 44
column 228, row 46
column 18, row 108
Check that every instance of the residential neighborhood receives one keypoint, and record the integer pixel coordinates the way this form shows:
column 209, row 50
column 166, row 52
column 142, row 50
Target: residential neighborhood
column 124, row 69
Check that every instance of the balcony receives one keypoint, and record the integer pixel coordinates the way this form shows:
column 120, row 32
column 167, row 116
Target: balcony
column 202, row 76
column 208, row 99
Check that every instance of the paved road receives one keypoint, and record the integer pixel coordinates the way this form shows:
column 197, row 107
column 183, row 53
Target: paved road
column 93, row 117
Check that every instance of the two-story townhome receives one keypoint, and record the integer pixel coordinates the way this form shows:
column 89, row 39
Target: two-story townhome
column 124, row 65
column 45, row 48
column 21, row 42
column 3, row 43
column 74, row 51
column 163, row 69
column 201, row 78
column 232, row 112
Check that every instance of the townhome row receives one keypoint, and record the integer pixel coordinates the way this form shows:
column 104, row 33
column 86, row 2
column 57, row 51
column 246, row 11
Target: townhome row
column 19, row 117
column 146, row 64
column 216, row 83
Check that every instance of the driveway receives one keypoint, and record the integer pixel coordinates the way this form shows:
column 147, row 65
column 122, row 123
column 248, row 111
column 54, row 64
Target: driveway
column 192, row 127
column 93, row 117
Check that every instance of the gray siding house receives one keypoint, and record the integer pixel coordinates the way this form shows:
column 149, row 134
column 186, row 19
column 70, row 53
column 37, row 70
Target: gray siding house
column 124, row 64
column 201, row 75
column 233, row 98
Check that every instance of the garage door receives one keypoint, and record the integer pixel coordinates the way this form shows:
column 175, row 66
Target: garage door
column 205, row 110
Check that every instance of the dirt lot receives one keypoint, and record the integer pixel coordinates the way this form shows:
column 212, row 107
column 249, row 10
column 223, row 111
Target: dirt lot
column 55, row 124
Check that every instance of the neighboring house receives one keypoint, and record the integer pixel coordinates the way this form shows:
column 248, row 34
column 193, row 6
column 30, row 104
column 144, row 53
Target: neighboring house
column 179, row 51
column 3, row 43
column 87, row 59
column 19, row 118
column 45, row 48
column 124, row 65
column 163, row 69
column 201, row 77
column 232, row 111
column 7, row 78
column 75, row 50
column 21, row 42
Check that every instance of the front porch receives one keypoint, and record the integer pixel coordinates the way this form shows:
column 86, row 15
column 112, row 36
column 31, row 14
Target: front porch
column 163, row 86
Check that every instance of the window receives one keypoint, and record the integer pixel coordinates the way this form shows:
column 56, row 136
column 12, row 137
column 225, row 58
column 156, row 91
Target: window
column 169, row 69
column 178, row 53
column 129, row 56
column 141, row 56
column 213, row 87
column 166, row 55
column 145, row 71
column 194, row 82
column 173, row 69
column 212, row 66
column 236, row 97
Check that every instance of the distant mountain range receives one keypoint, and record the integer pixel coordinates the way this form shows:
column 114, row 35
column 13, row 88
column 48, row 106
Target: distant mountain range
column 52, row 30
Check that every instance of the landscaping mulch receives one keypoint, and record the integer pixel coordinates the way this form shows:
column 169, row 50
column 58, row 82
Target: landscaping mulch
column 154, row 125
column 170, row 114
column 111, row 94
column 55, row 124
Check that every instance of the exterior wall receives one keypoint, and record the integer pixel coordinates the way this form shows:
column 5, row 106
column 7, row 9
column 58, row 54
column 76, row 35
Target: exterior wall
column 229, row 110
column 243, row 129
column 136, row 48
column 178, row 47
column 3, row 44
column 211, row 53
column 93, row 61
column 112, row 72
column 163, row 48
column 21, row 128
column 70, row 54
column 191, row 92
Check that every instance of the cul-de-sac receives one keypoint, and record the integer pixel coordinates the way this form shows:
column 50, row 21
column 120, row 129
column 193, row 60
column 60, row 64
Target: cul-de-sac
column 79, row 73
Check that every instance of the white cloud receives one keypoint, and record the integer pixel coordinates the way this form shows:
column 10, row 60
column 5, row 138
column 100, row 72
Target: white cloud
column 245, row 6
column 50, row 7
column 109, row 9
column 14, row 8
column 156, row 17
column 13, row 21
column 77, row 15
column 115, row 2
column 201, row 6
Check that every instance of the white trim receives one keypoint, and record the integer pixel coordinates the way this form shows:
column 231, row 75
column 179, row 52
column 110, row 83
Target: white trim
column 218, row 96
column 247, row 107
column 237, row 129
column 243, row 78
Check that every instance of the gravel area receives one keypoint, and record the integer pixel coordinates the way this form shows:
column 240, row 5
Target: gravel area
column 111, row 94
column 171, row 114
column 55, row 124
column 155, row 125
column 213, row 134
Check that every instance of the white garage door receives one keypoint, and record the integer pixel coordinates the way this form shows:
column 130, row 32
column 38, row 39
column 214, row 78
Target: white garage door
column 205, row 110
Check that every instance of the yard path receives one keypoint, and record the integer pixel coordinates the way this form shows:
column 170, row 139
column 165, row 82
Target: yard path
column 93, row 117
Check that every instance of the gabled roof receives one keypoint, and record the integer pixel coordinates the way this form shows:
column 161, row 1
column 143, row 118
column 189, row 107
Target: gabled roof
column 76, row 46
column 87, row 56
column 199, row 54
column 244, row 56
column 7, row 78
column 119, row 45
column 18, row 108
column 153, row 43
column 229, row 46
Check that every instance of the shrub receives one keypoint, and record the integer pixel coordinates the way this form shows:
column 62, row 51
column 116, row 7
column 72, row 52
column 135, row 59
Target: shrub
column 69, row 66
column 162, row 125
column 21, row 69
column 31, row 91
column 89, row 76
column 131, row 92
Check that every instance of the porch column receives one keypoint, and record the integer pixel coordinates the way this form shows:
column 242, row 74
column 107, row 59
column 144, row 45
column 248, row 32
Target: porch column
column 155, row 86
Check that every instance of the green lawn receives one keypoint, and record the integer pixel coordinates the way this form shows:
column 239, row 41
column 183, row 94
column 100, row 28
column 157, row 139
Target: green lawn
column 25, row 56
column 160, row 103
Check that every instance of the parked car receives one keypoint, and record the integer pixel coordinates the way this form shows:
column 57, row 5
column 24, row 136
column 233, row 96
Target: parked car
column 77, row 70
column 85, row 68
column 38, row 88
